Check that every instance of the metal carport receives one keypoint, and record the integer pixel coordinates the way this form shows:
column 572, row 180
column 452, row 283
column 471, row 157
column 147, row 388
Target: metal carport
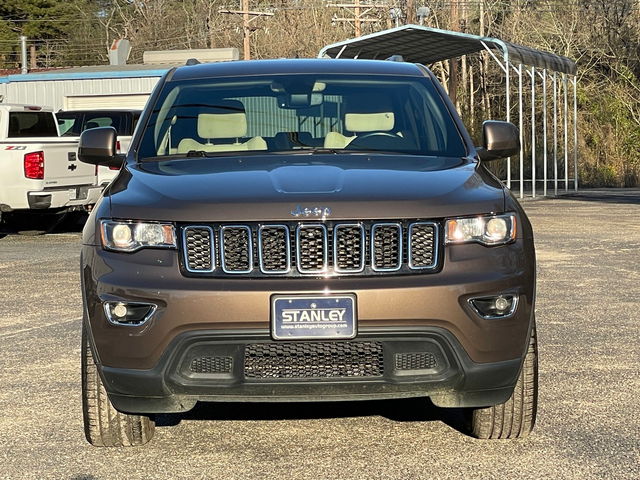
column 427, row 45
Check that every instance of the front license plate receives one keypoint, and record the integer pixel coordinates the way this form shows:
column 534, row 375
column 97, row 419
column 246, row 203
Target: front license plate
column 313, row 317
column 72, row 194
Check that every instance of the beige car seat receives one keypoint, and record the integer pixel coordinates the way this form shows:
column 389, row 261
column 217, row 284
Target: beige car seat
column 227, row 120
column 363, row 114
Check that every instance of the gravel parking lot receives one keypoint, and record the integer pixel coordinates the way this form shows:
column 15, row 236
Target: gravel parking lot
column 589, row 413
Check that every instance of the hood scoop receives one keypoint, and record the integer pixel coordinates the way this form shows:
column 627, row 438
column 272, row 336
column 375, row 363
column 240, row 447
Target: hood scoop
column 307, row 179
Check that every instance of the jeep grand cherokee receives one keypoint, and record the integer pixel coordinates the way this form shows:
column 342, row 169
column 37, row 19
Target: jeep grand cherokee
column 305, row 230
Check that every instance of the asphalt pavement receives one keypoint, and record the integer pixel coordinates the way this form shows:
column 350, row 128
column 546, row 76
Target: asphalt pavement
column 588, row 249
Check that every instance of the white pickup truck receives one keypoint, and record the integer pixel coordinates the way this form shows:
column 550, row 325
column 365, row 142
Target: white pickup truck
column 41, row 178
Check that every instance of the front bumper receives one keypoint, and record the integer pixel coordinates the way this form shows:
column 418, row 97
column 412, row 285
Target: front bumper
column 413, row 362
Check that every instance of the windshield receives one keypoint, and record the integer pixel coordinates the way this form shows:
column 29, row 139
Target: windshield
column 300, row 114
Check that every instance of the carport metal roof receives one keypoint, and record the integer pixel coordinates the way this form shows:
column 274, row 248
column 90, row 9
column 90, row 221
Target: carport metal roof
column 427, row 45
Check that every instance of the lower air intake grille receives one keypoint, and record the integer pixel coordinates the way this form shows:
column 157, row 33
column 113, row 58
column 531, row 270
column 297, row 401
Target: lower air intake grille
column 211, row 365
column 415, row 361
column 313, row 360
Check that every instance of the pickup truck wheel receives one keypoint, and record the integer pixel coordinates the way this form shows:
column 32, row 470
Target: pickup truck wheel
column 104, row 426
column 516, row 417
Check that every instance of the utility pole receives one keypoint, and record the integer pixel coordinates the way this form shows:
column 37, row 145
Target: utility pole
column 410, row 16
column 32, row 53
column 453, row 63
column 358, row 14
column 247, row 17
column 245, row 29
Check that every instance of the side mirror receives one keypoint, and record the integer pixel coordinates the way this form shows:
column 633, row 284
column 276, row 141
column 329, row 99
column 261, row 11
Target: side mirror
column 98, row 147
column 499, row 139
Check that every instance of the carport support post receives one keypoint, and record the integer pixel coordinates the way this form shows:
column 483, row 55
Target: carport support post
column 575, row 132
column 544, row 128
column 521, row 127
column 533, row 131
column 566, row 134
column 555, row 132
column 507, row 82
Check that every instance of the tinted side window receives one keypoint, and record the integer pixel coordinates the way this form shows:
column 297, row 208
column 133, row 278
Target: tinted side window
column 104, row 119
column 32, row 124
column 68, row 124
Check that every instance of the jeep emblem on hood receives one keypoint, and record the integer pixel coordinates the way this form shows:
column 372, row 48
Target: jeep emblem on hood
column 300, row 211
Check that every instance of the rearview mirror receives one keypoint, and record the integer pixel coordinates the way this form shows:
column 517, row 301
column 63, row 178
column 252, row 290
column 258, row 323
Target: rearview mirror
column 98, row 147
column 300, row 100
column 499, row 140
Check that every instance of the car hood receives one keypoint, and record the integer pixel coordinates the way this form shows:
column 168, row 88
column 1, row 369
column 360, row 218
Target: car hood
column 270, row 189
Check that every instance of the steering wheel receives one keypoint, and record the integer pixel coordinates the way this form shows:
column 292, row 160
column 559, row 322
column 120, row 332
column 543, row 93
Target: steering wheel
column 376, row 134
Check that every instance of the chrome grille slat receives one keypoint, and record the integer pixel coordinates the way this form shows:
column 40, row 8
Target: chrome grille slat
column 422, row 245
column 236, row 249
column 199, row 251
column 386, row 246
column 305, row 249
column 348, row 248
column 274, row 243
column 311, row 248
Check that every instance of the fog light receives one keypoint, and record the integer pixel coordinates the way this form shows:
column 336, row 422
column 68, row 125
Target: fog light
column 120, row 310
column 125, row 313
column 501, row 306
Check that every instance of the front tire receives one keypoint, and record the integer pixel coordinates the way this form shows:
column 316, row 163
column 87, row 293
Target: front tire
column 517, row 416
column 104, row 426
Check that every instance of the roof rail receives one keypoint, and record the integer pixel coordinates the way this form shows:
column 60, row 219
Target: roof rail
column 395, row 58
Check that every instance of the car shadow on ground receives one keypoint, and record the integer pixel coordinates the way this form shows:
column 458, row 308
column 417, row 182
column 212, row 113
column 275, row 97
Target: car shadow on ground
column 621, row 196
column 403, row 410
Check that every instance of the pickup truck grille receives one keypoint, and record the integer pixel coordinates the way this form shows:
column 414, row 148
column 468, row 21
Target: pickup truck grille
column 308, row 249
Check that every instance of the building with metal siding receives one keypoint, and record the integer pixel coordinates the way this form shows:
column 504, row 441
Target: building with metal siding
column 124, row 86
column 104, row 86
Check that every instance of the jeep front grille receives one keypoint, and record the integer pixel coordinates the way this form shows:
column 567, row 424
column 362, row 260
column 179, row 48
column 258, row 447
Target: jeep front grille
column 236, row 248
column 275, row 249
column 387, row 247
column 199, row 256
column 311, row 249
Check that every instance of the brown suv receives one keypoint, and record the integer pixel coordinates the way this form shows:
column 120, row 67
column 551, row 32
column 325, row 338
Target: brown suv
column 305, row 230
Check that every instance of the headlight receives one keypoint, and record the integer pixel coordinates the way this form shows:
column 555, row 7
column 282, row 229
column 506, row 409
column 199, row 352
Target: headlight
column 487, row 230
column 129, row 236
